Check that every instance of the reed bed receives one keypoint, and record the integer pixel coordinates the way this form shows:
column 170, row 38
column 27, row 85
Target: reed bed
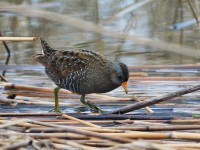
column 31, row 133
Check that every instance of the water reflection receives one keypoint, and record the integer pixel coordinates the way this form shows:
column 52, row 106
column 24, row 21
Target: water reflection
column 151, row 20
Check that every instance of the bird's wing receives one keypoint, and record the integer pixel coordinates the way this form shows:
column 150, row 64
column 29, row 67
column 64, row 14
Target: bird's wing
column 68, row 61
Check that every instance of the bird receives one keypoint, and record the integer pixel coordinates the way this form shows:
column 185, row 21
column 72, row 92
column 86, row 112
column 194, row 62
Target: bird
column 81, row 71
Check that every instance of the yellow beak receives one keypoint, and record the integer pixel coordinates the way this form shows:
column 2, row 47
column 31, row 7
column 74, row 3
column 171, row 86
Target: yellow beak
column 124, row 85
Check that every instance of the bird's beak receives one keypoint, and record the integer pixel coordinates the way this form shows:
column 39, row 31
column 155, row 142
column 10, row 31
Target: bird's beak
column 124, row 85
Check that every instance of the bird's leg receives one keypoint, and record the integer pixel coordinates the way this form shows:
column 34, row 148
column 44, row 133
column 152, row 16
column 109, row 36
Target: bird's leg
column 56, row 107
column 91, row 105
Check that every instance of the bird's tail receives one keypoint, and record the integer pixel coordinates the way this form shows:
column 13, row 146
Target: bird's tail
column 46, row 49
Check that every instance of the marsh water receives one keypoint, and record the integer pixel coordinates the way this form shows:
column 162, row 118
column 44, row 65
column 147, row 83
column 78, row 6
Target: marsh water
column 153, row 20
column 165, row 20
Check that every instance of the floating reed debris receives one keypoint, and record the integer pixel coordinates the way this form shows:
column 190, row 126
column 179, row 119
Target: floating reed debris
column 63, row 134
column 122, row 129
column 155, row 100
column 94, row 129
column 92, row 137
column 180, row 146
column 123, row 117
column 156, row 135
column 18, row 39
column 80, row 121
column 157, row 128
column 82, row 132
column 32, row 88
column 94, row 117
column 149, row 110
column 138, row 74
column 71, row 143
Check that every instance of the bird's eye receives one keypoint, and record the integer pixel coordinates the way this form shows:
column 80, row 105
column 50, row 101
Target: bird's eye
column 114, row 74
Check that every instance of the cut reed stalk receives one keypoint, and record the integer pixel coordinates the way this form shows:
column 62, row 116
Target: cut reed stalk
column 18, row 39
column 80, row 121
column 97, row 143
column 82, row 132
column 62, row 146
column 21, row 123
column 175, row 121
column 149, row 110
column 184, row 145
column 72, row 123
column 183, row 121
column 123, row 116
column 94, row 129
column 94, row 117
column 138, row 74
column 32, row 88
column 71, row 143
column 70, row 136
column 157, row 128
column 158, row 135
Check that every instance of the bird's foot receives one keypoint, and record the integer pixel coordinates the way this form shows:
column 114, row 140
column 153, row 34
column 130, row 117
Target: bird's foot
column 57, row 110
column 91, row 105
column 94, row 107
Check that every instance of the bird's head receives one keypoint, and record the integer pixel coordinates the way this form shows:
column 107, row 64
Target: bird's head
column 120, row 75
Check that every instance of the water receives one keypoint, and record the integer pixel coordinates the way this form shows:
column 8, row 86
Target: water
column 152, row 20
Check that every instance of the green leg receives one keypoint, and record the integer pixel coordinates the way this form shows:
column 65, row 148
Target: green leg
column 91, row 105
column 56, row 107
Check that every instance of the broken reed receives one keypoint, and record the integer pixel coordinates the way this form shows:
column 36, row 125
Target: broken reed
column 18, row 39
column 123, row 137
